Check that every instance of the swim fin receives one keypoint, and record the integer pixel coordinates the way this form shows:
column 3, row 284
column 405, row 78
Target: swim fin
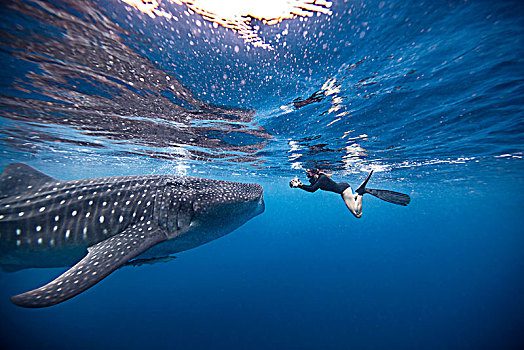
column 362, row 188
column 390, row 196
column 385, row 195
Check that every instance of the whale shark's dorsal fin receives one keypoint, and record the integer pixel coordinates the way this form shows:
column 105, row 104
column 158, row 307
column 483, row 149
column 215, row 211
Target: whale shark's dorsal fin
column 18, row 178
column 101, row 259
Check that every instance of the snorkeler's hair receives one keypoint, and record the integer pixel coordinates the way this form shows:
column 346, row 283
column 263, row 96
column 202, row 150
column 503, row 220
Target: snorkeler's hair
column 318, row 172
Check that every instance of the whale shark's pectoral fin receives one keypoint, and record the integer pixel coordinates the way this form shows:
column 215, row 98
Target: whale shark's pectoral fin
column 101, row 259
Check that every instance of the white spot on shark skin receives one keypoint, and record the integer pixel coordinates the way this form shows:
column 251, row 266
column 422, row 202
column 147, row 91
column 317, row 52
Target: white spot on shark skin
column 41, row 209
column 38, row 228
column 121, row 218
column 57, row 218
column 80, row 197
column 84, row 233
column 90, row 202
column 62, row 201
column 101, row 219
column 52, row 242
column 55, row 228
column 29, row 187
column 67, row 233
column 39, row 240
column 18, row 243
column 127, row 202
column 88, row 214
column 18, row 232
column 1, row 217
column 104, row 204
column 21, row 213
column 74, row 213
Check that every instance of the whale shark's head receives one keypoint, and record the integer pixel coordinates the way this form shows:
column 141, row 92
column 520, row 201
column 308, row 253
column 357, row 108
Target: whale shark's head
column 204, row 209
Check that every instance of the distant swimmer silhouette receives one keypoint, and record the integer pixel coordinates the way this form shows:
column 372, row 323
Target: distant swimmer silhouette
column 320, row 180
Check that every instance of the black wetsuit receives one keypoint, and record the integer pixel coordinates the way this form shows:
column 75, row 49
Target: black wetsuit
column 325, row 183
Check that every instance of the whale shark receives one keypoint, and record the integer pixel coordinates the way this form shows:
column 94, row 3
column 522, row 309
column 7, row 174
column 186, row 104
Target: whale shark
column 97, row 225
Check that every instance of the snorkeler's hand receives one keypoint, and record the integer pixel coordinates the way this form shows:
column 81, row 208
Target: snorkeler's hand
column 295, row 183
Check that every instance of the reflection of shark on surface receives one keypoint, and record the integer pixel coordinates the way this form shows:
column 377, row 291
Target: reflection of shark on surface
column 46, row 222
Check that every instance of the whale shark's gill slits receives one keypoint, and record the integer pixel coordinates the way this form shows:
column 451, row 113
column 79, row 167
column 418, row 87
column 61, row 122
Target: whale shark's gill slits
column 157, row 209
column 174, row 211
column 184, row 214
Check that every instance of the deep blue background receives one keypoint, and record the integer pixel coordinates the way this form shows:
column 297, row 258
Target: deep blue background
column 444, row 272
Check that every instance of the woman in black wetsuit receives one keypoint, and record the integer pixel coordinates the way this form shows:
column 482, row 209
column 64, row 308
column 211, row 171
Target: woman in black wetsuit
column 320, row 180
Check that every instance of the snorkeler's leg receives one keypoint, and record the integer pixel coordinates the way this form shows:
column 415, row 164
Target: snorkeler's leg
column 353, row 202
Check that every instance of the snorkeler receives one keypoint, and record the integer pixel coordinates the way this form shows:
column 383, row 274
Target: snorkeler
column 320, row 180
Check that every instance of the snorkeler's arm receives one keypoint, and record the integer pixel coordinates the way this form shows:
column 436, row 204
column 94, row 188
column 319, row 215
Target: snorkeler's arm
column 296, row 183
column 310, row 188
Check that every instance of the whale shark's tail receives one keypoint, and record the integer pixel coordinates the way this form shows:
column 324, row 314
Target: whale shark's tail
column 385, row 195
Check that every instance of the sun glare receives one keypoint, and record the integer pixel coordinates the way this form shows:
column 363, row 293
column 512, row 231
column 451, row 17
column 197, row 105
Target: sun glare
column 237, row 14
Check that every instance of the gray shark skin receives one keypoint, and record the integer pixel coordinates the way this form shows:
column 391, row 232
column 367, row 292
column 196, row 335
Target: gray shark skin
column 98, row 225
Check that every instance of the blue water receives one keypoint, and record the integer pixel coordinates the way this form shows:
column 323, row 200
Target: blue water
column 428, row 94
